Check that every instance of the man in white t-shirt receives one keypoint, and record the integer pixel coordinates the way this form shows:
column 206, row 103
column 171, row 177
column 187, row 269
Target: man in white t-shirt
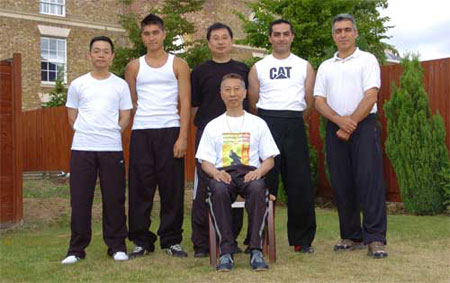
column 346, row 92
column 98, row 107
column 230, row 152
column 280, row 87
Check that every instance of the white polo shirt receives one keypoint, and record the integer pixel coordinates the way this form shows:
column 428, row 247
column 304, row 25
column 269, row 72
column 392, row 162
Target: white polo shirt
column 343, row 81
column 98, row 103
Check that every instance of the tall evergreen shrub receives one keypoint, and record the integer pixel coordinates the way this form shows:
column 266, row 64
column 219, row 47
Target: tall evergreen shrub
column 58, row 95
column 415, row 142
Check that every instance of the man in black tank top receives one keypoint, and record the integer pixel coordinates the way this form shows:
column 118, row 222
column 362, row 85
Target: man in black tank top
column 207, row 105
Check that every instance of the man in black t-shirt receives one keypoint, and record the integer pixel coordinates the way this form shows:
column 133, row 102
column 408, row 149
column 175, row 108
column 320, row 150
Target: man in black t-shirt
column 207, row 105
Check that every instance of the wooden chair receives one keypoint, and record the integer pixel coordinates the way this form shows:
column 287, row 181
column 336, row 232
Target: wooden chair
column 269, row 243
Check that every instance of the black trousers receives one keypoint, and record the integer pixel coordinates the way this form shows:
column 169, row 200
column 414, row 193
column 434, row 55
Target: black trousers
column 85, row 166
column 199, row 218
column 356, row 169
column 288, row 131
column 223, row 195
column 152, row 164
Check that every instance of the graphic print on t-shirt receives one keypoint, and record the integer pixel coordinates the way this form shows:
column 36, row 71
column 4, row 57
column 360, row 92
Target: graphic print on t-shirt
column 280, row 73
column 235, row 149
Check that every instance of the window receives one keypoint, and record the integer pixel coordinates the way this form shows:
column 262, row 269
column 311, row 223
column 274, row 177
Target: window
column 53, row 59
column 53, row 7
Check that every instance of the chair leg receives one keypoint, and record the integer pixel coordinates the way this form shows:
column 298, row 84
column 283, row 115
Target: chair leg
column 265, row 245
column 212, row 242
column 271, row 234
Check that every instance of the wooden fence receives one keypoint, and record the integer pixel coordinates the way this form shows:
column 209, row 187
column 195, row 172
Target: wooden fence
column 47, row 135
column 48, row 138
column 11, row 211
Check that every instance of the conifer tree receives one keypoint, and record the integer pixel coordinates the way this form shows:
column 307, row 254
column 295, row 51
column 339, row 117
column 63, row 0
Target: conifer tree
column 415, row 142
column 58, row 95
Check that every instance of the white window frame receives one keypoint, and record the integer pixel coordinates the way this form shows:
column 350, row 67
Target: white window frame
column 54, row 61
column 52, row 3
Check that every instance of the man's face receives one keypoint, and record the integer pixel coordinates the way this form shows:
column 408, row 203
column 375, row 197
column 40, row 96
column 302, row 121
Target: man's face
column 153, row 37
column 232, row 93
column 220, row 42
column 101, row 54
column 344, row 35
column 281, row 38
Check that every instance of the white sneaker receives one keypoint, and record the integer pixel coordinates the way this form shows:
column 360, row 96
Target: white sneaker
column 120, row 256
column 71, row 259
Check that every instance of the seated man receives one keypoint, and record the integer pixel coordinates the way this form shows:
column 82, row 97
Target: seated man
column 230, row 151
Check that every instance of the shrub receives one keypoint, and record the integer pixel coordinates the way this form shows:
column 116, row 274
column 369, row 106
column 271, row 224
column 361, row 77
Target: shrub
column 415, row 142
column 58, row 95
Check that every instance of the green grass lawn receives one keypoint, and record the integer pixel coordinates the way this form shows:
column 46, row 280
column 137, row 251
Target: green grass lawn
column 419, row 250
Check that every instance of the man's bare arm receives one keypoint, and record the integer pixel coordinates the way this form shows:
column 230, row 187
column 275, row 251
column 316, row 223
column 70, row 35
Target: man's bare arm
column 184, row 91
column 365, row 105
column 261, row 171
column 253, row 89
column 213, row 172
column 131, row 72
column 309, row 88
column 124, row 119
column 194, row 111
column 344, row 122
column 72, row 114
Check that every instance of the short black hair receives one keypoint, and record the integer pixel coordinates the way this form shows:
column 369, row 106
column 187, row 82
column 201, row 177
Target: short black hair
column 101, row 38
column 152, row 19
column 217, row 26
column 280, row 21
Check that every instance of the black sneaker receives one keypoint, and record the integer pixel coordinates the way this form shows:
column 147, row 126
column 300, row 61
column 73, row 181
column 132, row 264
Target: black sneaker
column 257, row 261
column 304, row 249
column 176, row 250
column 139, row 252
column 225, row 263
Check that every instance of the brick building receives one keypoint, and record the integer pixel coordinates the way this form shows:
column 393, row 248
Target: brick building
column 53, row 35
column 213, row 11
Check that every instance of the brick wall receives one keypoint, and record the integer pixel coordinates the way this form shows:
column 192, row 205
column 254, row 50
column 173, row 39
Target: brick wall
column 23, row 36
column 213, row 11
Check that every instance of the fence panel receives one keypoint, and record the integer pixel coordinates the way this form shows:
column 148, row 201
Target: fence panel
column 47, row 135
column 11, row 195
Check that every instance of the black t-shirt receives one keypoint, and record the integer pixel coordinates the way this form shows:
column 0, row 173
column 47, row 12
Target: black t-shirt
column 205, row 84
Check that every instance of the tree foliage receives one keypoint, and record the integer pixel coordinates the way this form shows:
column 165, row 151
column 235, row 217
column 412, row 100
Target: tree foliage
column 415, row 142
column 58, row 95
column 172, row 12
column 311, row 20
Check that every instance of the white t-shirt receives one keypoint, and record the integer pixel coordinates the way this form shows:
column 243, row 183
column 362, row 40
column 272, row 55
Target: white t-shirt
column 98, row 103
column 343, row 81
column 241, row 140
column 282, row 83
